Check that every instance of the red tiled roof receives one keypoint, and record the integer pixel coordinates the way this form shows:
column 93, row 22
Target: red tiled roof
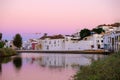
column 53, row 37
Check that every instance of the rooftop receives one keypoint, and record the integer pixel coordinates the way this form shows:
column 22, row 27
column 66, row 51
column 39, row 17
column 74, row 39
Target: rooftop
column 53, row 37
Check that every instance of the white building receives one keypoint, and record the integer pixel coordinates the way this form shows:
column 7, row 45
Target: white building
column 30, row 44
column 26, row 45
column 112, row 40
column 108, row 28
column 60, row 42
column 96, row 41
column 93, row 42
column 55, row 42
column 76, row 44
column 9, row 44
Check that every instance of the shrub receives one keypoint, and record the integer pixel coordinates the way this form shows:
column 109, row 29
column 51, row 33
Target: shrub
column 2, row 52
column 2, row 44
column 106, row 69
column 7, row 51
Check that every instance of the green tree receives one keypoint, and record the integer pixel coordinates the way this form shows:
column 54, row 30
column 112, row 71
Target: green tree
column 98, row 30
column 0, row 36
column 2, row 44
column 17, row 41
column 85, row 33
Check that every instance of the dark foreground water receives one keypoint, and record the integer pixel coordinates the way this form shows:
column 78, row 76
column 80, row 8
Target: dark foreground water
column 41, row 66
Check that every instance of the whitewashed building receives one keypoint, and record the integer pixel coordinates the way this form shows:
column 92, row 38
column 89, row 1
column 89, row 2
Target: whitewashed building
column 55, row 42
column 30, row 44
column 9, row 44
column 67, row 42
column 108, row 28
column 72, row 43
column 112, row 40
column 96, row 41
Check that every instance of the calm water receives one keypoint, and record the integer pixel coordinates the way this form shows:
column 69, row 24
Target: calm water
column 37, row 66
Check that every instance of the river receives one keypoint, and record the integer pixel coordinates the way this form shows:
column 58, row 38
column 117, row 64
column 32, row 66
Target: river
column 44, row 66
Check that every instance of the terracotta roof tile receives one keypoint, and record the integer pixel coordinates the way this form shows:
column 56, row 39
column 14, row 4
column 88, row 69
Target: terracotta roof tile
column 53, row 37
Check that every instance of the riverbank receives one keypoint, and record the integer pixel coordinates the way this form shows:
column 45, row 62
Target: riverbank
column 105, row 69
column 65, row 51
column 5, row 52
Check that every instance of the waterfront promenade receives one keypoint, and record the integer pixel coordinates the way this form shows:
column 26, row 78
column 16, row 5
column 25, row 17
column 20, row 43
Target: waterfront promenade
column 66, row 51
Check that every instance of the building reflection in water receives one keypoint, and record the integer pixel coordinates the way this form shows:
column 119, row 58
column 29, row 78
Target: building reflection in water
column 53, row 61
column 64, row 60
column 17, row 62
column 94, row 57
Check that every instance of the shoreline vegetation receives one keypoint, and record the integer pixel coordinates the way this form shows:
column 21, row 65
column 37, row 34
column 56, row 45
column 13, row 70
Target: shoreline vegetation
column 105, row 69
column 5, row 52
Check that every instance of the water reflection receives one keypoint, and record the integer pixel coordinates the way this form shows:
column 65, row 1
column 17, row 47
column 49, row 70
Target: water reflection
column 94, row 57
column 38, row 66
column 5, row 60
column 17, row 61
column 62, row 60
column 0, row 68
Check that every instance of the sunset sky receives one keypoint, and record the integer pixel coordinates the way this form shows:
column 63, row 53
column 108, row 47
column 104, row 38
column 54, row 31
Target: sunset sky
column 55, row 16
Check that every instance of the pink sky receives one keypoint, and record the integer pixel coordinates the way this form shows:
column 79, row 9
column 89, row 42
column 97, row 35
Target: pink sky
column 56, row 16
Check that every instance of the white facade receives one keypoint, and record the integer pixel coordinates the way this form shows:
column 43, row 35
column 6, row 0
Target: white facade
column 9, row 44
column 59, row 42
column 96, row 41
column 52, row 44
column 112, row 41
column 27, row 45
column 55, row 42
column 30, row 44
column 75, row 44
column 108, row 28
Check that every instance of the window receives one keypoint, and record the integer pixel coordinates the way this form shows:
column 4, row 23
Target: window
column 97, row 40
column 66, row 39
column 119, row 38
column 92, row 46
column 45, row 41
column 101, row 40
column 54, row 42
column 85, row 39
column 115, row 38
column 49, row 42
column 98, row 46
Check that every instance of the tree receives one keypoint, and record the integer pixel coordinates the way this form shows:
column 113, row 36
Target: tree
column 98, row 30
column 17, row 41
column 2, row 44
column 85, row 33
column 0, row 36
